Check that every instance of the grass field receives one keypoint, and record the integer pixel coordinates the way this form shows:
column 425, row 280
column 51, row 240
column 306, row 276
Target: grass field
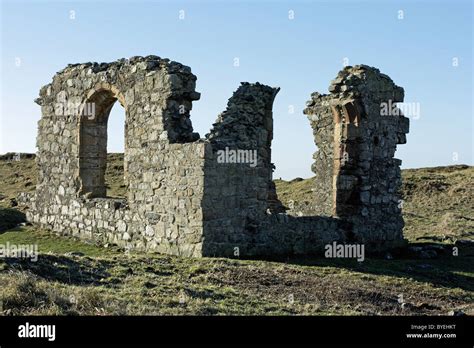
column 73, row 277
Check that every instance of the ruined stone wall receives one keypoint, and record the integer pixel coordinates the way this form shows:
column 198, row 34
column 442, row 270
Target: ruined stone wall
column 322, row 122
column 365, row 176
column 188, row 196
column 238, row 196
column 164, row 169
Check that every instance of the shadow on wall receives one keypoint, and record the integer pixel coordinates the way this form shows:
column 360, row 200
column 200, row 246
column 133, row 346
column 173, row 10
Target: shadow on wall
column 214, row 196
column 242, row 215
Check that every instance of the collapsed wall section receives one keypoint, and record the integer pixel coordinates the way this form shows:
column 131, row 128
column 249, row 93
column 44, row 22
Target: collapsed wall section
column 322, row 122
column 214, row 196
column 242, row 214
column 238, row 186
column 364, row 176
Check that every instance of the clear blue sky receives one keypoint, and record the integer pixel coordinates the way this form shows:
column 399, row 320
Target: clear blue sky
column 300, row 55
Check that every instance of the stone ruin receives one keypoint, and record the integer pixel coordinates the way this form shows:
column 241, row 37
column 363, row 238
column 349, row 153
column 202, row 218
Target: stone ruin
column 181, row 199
column 357, row 176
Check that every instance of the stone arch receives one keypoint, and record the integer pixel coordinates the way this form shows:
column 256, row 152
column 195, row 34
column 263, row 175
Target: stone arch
column 157, row 96
column 93, row 137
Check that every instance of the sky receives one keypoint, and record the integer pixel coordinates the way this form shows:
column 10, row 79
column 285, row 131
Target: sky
column 424, row 46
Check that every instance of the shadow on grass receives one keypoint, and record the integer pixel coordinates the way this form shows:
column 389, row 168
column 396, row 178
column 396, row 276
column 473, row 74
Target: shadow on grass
column 10, row 218
column 444, row 271
column 63, row 269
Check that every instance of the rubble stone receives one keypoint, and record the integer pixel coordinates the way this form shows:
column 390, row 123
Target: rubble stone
column 182, row 198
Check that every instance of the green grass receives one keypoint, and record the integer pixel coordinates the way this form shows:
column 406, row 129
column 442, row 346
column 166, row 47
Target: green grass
column 106, row 281
column 50, row 243
column 73, row 277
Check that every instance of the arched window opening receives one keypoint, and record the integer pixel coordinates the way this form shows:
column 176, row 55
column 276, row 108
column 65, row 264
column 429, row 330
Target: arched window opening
column 114, row 174
column 98, row 177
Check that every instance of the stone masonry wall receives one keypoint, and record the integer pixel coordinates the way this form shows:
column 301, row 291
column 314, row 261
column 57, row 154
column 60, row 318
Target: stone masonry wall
column 322, row 122
column 164, row 170
column 183, row 196
column 239, row 196
column 365, row 176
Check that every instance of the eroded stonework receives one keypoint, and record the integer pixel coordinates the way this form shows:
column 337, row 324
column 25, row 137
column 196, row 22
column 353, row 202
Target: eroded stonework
column 357, row 178
column 181, row 198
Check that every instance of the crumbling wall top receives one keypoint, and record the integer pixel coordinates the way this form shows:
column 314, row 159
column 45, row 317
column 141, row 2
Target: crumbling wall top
column 117, row 71
column 363, row 81
column 247, row 121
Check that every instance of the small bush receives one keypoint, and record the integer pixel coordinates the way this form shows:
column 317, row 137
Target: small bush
column 10, row 218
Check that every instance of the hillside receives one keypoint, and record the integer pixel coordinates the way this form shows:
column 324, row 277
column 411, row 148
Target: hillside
column 438, row 203
column 73, row 277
